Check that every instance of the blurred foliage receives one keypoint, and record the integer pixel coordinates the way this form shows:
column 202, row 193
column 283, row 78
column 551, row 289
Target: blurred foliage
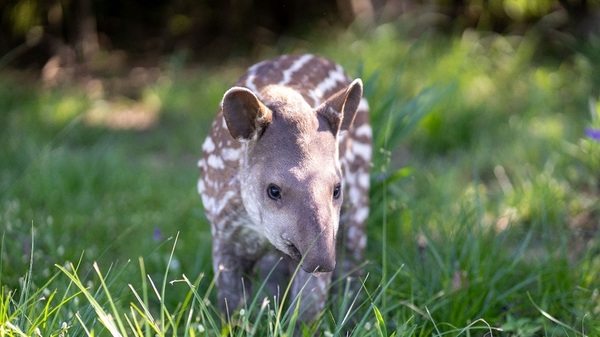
column 145, row 30
column 210, row 28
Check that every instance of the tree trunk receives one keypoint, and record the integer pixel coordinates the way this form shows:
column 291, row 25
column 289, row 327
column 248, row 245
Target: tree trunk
column 86, row 36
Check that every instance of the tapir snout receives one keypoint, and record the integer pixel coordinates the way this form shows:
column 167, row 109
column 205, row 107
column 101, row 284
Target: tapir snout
column 316, row 244
column 320, row 256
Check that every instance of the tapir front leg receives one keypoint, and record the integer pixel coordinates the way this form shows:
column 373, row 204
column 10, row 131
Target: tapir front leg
column 311, row 290
column 274, row 270
column 232, row 281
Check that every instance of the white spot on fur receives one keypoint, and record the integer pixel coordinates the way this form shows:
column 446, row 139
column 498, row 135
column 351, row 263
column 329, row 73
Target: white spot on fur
column 209, row 203
column 331, row 81
column 363, row 180
column 208, row 183
column 364, row 130
column 201, row 187
column 350, row 177
column 361, row 150
column 224, row 201
column 361, row 214
column 297, row 65
column 230, row 154
column 362, row 243
column 209, row 145
column 348, row 158
column 316, row 97
column 250, row 83
column 252, row 69
column 353, row 233
column 215, row 162
column 354, row 195
column 364, row 105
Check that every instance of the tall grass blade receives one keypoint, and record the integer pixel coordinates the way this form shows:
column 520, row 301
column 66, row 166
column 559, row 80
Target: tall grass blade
column 552, row 318
column 144, row 293
column 164, row 313
column 82, row 324
column 105, row 318
column 380, row 322
column 111, row 302
column 144, row 312
column 433, row 322
column 206, row 316
column 15, row 329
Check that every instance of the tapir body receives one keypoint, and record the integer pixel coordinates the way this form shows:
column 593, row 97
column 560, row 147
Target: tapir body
column 285, row 180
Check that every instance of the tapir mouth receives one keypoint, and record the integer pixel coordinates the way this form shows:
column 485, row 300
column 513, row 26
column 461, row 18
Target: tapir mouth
column 293, row 252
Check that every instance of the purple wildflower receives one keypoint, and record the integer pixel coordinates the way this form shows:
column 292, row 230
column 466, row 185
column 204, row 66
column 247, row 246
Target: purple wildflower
column 593, row 134
column 157, row 234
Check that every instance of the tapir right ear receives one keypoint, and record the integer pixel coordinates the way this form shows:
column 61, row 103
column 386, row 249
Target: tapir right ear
column 339, row 110
column 244, row 114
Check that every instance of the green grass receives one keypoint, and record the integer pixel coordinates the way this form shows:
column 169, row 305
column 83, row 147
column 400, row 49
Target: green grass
column 484, row 217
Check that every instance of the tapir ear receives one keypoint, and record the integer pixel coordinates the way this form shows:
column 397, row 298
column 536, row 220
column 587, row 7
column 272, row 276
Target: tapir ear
column 244, row 114
column 339, row 110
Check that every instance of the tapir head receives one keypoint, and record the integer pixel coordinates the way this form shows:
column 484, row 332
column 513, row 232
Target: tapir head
column 291, row 180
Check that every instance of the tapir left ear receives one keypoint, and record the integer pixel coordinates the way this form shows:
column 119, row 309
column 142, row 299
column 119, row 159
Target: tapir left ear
column 244, row 114
column 339, row 110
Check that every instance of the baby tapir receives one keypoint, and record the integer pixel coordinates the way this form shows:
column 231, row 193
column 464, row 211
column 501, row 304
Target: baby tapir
column 285, row 180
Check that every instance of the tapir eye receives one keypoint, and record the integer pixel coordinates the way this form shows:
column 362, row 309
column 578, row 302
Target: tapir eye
column 274, row 192
column 337, row 191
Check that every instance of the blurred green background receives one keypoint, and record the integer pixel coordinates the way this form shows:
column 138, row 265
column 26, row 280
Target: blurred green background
column 485, row 184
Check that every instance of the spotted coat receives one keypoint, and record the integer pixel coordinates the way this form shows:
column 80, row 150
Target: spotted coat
column 281, row 87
